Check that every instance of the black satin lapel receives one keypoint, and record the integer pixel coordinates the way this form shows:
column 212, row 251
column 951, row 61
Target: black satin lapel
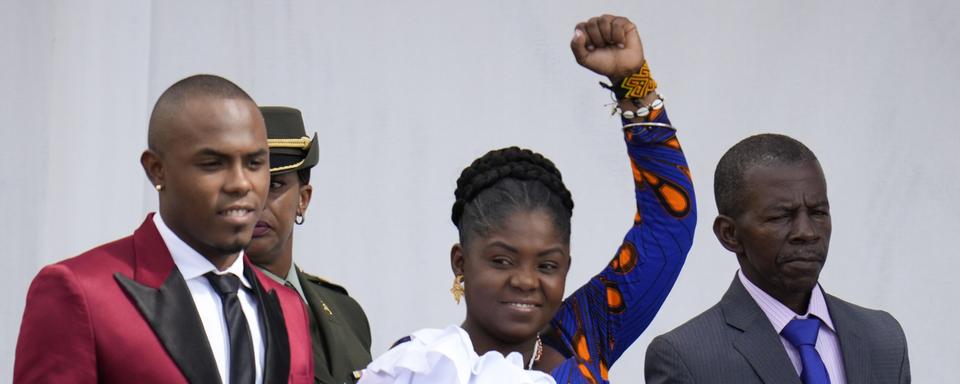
column 173, row 316
column 276, row 365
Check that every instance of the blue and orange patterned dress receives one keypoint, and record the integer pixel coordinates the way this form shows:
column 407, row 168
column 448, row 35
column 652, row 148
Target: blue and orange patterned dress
column 599, row 321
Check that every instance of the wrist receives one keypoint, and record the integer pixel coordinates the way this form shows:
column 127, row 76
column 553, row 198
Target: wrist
column 642, row 109
column 635, row 95
column 617, row 78
column 636, row 85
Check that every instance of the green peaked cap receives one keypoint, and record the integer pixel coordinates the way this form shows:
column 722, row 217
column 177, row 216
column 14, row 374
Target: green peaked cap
column 290, row 148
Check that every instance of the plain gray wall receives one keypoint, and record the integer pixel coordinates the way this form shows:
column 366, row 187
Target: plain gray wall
column 404, row 95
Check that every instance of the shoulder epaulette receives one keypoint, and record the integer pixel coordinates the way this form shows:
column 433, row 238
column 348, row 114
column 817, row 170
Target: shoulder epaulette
column 324, row 283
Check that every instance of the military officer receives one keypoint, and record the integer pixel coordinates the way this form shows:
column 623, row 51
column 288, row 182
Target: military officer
column 339, row 328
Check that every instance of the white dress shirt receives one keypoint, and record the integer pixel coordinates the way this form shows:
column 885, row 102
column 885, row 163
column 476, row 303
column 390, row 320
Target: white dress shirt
column 193, row 266
column 828, row 345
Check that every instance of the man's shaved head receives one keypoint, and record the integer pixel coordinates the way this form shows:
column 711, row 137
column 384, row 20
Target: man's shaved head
column 171, row 103
column 208, row 160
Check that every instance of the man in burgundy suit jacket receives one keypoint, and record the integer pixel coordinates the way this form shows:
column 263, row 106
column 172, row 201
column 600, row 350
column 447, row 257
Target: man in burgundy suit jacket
column 139, row 309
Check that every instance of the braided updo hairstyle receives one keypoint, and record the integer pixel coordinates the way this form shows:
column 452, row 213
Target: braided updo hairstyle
column 505, row 181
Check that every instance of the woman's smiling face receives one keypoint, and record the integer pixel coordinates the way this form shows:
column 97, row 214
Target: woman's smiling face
column 513, row 276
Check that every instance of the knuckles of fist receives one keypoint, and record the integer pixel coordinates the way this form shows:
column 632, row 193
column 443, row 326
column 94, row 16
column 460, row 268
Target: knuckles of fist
column 608, row 45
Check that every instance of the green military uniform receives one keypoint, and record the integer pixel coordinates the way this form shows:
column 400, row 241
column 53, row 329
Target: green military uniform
column 339, row 329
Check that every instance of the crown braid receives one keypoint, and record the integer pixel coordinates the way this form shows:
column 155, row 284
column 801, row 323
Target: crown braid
column 506, row 179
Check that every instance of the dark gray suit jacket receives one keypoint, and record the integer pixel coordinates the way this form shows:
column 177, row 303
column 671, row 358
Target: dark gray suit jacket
column 734, row 342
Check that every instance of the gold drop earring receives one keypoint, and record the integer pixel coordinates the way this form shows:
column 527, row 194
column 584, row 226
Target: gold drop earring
column 457, row 289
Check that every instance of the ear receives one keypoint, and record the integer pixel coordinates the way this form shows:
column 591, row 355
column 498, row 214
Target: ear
column 456, row 259
column 306, row 192
column 152, row 166
column 725, row 229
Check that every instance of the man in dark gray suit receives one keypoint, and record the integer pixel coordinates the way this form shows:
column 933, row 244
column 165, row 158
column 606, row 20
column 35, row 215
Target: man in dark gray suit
column 775, row 324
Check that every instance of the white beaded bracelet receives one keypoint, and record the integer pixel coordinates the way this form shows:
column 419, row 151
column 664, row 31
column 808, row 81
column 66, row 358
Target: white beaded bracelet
column 642, row 111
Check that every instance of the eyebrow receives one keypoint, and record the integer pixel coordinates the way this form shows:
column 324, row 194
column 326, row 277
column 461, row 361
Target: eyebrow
column 551, row 251
column 783, row 207
column 210, row 152
column 501, row 244
column 213, row 152
column 794, row 206
column 258, row 153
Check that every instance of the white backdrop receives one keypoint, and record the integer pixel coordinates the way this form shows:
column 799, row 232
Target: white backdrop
column 405, row 95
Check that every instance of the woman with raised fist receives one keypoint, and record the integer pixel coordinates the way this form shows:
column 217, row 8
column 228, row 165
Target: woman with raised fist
column 512, row 211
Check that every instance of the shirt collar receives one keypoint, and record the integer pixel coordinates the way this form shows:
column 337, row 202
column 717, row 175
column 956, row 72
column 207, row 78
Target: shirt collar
column 292, row 279
column 191, row 263
column 272, row 275
column 295, row 281
column 779, row 314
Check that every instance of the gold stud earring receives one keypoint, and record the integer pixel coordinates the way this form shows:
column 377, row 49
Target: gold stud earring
column 158, row 187
column 457, row 289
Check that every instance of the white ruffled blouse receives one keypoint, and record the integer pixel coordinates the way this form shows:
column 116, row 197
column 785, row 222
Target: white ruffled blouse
column 446, row 356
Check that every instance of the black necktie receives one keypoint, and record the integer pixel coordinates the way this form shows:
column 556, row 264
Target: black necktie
column 242, row 368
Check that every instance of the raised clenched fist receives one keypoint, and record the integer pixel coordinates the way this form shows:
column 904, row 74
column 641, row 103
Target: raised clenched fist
column 608, row 45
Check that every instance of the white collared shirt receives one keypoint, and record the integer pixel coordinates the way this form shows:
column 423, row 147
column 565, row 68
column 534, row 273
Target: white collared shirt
column 193, row 266
column 828, row 345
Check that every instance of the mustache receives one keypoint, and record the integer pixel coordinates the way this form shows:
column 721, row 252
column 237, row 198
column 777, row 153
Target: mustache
column 806, row 253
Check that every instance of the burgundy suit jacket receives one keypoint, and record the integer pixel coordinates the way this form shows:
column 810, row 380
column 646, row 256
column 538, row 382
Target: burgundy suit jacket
column 122, row 313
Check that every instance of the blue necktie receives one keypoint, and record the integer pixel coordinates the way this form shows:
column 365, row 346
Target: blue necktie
column 802, row 333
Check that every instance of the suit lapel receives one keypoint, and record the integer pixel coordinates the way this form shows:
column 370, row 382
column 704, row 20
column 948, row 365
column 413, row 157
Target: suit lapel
column 321, row 365
column 164, row 301
column 344, row 351
column 856, row 357
column 171, row 313
column 276, row 366
column 758, row 343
